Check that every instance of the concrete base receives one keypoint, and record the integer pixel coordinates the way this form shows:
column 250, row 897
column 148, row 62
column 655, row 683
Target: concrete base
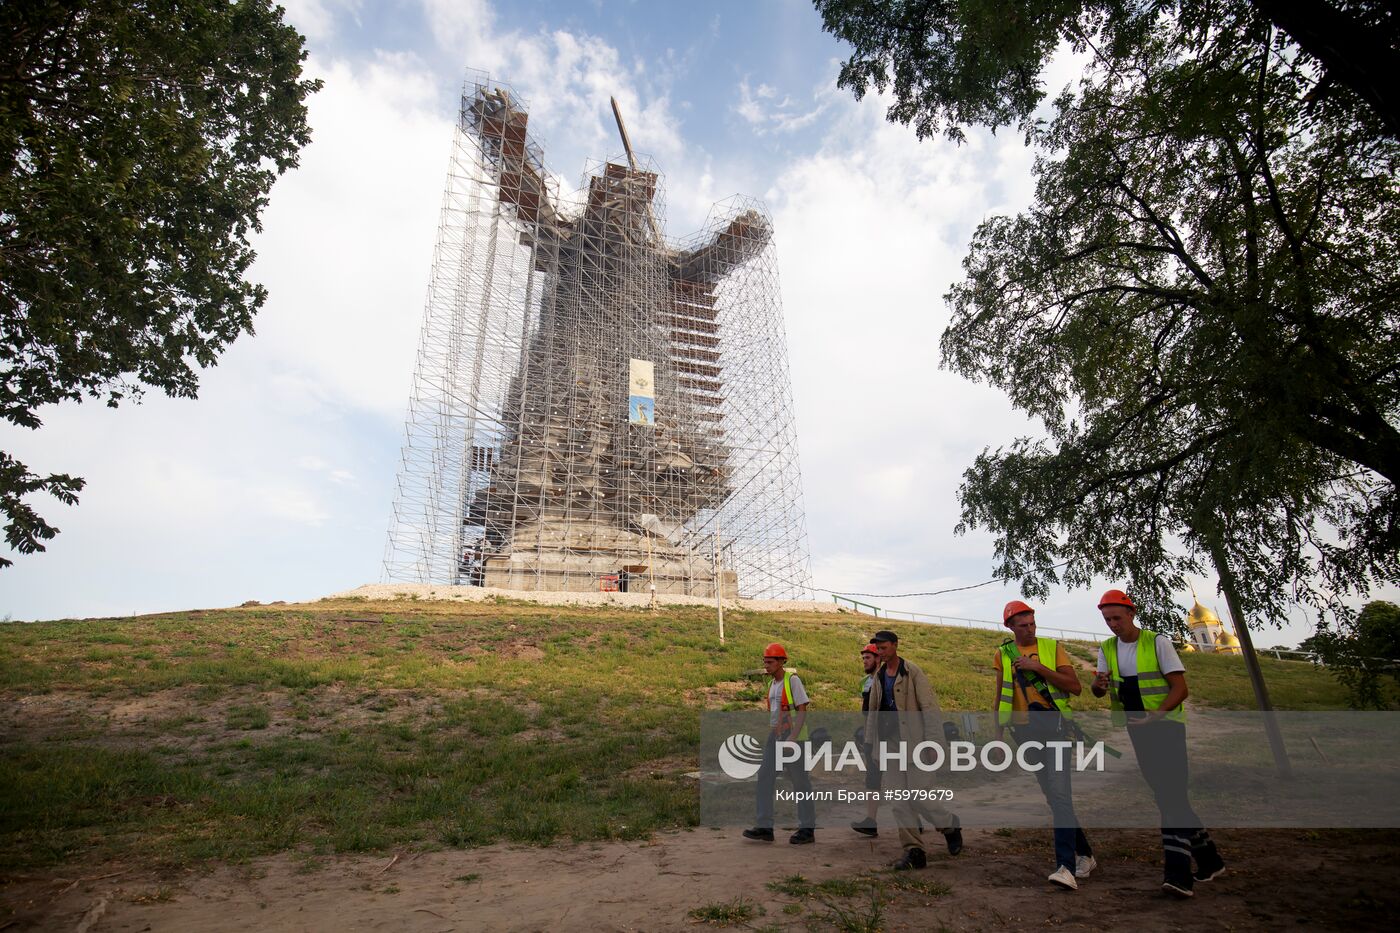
column 573, row 556
column 579, row 573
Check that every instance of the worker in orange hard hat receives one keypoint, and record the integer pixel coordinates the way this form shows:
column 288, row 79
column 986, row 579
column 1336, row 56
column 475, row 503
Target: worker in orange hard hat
column 787, row 722
column 1034, row 681
column 1146, row 683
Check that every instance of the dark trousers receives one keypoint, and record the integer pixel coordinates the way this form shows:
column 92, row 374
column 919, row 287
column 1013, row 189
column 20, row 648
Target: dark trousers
column 1055, row 784
column 767, row 779
column 1161, row 755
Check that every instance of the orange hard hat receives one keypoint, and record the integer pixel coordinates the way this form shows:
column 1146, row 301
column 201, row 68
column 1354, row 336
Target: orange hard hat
column 1014, row 608
column 1116, row 598
column 775, row 650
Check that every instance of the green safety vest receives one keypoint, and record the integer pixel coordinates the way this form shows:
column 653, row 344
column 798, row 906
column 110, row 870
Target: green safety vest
column 1152, row 683
column 1045, row 647
column 784, row 718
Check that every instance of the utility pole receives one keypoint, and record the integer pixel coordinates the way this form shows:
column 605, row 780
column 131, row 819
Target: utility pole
column 719, row 587
column 651, row 569
column 1251, row 660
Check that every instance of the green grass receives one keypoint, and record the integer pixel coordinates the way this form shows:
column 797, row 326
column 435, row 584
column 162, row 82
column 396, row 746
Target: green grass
column 1220, row 682
column 729, row 913
column 915, row 884
column 792, row 886
column 868, row 917
column 248, row 717
column 359, row 726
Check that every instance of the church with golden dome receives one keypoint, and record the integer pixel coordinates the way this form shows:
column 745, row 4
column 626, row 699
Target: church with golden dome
column 1208, row 633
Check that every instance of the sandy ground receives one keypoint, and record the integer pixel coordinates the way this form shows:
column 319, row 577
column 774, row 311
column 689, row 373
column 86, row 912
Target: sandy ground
column 1277, row 877
column 476, row 594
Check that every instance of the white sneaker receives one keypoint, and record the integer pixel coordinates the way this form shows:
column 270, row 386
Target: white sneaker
column 1083, row 864
column 1064, row 878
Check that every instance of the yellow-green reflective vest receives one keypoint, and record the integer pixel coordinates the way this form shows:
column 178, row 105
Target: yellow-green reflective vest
column 1045, row 648
column 784, row 717
column 1152, row 683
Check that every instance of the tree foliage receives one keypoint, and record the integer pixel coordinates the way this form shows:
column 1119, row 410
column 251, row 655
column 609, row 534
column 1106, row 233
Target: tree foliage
column 138, row 144
column 1199, row 306
column 954, row 64
column 1365, row 654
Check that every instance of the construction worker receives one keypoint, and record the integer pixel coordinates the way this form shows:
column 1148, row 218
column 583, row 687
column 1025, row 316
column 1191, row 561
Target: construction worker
column 1146, row 684
column 787, row 721
column 869, row 659
column 904, row 708
column 1034, row 682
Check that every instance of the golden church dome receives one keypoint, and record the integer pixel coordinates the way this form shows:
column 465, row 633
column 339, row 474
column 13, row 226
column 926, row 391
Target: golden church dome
column 1200, row 615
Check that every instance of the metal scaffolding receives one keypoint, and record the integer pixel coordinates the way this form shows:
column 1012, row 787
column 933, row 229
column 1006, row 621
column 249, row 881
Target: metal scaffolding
column 595, row 406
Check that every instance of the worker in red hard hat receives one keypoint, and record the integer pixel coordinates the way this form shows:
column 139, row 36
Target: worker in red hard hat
column 1146, row 683
column 787, row 722
column 1034, row 681
column 869, row 659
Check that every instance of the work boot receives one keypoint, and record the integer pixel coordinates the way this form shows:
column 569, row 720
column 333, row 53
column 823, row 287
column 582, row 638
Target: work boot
column 803, row 837
column 1209, row 867
column 954, row 837
column 913, row 858
column 866, row 827
column 759, row 834
column 1178, row 885
column 1209, row 864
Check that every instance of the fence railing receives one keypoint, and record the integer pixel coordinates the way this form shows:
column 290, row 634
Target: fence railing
column 1064, row 634
column 901, row 615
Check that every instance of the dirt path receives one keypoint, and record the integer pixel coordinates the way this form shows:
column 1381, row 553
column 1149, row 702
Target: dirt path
column 1328, row 879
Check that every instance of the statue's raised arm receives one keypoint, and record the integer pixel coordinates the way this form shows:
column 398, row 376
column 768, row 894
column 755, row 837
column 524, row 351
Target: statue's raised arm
column 742, row 240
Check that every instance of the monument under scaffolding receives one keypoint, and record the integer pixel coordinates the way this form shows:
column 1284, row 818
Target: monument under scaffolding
column 595, row 406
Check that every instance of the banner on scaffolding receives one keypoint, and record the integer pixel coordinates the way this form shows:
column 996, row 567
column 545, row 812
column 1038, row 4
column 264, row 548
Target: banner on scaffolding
column 641, row 404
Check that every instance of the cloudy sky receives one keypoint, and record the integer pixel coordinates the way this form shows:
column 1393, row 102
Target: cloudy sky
column 277, row 482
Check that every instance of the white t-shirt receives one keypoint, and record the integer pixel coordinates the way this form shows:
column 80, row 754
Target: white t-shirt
column 775, row 698
column 1167, row 658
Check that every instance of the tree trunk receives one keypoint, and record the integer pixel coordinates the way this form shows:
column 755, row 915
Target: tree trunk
column 1352, row 53
column 1251, row 660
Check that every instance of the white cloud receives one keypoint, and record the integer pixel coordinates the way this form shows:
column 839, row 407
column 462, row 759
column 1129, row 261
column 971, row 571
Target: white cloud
column 784, row 116
column 348, row 237
column 316, row 18
column 311, row 17
column 464, row 27
column 870, row 232
column 198, row 503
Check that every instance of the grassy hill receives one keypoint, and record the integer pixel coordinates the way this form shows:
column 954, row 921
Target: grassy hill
column 349, row 725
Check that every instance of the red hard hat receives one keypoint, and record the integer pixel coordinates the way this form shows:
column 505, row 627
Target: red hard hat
column 1116, row 598
column 1014, row 608
column 775, row 650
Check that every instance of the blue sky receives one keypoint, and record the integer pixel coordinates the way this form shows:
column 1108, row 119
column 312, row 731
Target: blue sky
column 277, row 482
